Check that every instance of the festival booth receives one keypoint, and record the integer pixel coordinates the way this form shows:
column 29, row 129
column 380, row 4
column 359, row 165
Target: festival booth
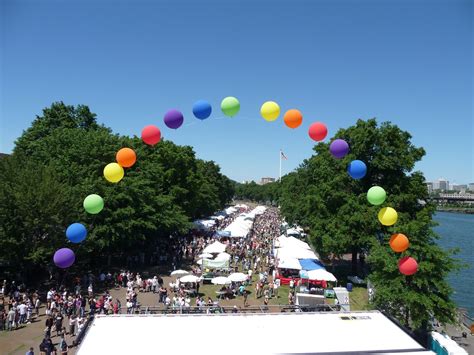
column 205, row 225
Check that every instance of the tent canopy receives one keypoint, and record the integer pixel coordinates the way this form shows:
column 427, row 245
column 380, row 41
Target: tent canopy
column 295, row 252
column 216, row 247
column 310, row 264
column 289, row 263
column 321, row 274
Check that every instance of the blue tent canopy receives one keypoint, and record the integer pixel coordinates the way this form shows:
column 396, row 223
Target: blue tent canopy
column 311, row 264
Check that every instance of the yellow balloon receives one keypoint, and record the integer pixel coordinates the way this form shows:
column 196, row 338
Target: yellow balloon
column 388, row 216
column 113, row 172
column 270, row 111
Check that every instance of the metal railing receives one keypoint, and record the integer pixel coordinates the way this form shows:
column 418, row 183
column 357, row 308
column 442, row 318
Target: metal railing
column 145, row 310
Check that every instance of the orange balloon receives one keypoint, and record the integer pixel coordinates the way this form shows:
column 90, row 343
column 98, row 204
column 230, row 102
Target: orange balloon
column 293, row 118
column 126, row 157
column 399, row 242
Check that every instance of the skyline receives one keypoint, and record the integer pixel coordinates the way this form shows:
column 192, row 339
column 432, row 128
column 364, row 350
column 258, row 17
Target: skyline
column 405, row 62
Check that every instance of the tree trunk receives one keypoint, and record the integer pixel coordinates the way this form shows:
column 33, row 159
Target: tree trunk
column 354, row 261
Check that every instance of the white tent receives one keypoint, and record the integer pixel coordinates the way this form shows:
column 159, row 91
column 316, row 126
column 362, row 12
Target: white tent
column 283, row 241
column 230, row 210
column 295, row 252
column 292, row 231
column 204, row 224
column 216, row 247
column 321, row 274
column 289, row 263
column 298, row 243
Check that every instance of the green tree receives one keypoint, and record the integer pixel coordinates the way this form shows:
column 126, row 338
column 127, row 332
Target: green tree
column 61, row 157
column 322, row 196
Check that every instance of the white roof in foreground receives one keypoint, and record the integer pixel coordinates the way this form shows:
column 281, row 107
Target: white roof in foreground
column 277, row 333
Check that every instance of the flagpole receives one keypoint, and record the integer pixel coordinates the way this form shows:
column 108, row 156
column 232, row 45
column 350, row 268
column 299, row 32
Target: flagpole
column 280, row 167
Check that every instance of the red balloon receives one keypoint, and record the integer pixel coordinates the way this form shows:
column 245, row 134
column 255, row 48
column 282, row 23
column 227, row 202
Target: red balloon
column 318, row 131
column 407, row 265
column 151, row 135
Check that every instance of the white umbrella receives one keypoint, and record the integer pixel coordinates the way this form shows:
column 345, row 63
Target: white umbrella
column 179, row 272
column 223, row 256
column 221, row 280
column 199, row 262
column 321, row 274
column 237, row 277
column 205, row 255
column 189, row 278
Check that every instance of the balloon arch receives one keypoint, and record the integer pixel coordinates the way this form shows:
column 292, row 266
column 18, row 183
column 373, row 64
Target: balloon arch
column 230, row 106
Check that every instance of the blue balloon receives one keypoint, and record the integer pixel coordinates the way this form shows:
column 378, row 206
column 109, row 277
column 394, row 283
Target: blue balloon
column 76, row 232
column 357, row 169
column 202, row 109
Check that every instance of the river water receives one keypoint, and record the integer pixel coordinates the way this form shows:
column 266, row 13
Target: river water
column 457, row 231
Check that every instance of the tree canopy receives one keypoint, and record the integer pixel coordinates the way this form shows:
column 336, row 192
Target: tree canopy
column 59, row 160
column 322, row 197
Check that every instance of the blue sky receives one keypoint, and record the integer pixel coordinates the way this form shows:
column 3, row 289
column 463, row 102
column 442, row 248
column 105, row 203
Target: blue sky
column 409, row 62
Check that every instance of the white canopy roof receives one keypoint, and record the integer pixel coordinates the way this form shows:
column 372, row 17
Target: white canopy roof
column 216, row 247
column 230, row 210
column 321, row 274
column 204, row 224
column 292, row 231
column 289, row 263
column 241, row 226
column 337, row 332
column 283, row 241
column 295, row 252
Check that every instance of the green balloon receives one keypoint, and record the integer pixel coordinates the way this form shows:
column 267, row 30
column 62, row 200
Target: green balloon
column 376, row 195
column 93, row 204
column 230, row 106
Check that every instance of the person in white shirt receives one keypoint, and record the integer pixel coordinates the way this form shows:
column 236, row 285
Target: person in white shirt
column 22, row 308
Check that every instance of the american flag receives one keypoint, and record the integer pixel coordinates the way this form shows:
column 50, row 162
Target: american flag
column 283, row 156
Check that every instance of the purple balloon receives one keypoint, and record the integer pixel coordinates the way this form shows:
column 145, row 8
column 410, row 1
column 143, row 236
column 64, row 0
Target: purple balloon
column 339, row 148
column 174, row 119
column 64, row 258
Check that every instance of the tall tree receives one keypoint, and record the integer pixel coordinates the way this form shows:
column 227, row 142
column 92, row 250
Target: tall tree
column 61, row 158
column 323, row 197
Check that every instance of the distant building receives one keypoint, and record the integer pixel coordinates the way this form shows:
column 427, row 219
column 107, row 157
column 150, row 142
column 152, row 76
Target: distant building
column 456, row 187
column 266, row 180
column 470, row 186
column 441, row 184
column 429, row 186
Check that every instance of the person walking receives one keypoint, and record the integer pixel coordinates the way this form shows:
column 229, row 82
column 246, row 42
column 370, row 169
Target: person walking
column 10, row 318
column 63, row 347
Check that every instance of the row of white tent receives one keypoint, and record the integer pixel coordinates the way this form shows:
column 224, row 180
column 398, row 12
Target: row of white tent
column 291, row 252
column 241, row 226
column 206, row 224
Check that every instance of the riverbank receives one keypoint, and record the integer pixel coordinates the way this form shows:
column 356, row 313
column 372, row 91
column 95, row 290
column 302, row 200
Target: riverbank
column 455, row 210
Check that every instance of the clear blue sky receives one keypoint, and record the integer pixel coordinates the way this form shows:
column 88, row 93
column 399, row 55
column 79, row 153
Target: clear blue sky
column 409, row 62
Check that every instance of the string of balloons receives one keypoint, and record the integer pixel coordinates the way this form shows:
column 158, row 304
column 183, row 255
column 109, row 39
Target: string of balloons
column 230, row 106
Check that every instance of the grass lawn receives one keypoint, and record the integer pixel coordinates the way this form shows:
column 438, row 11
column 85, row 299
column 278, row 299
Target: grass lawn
column 359, row 299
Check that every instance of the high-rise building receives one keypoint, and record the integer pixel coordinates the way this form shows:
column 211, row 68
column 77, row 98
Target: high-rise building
column 266, row 180
column 470, row 186
column 441, row 184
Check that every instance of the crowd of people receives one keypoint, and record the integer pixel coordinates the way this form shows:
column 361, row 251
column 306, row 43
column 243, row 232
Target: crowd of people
column 67, row 310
